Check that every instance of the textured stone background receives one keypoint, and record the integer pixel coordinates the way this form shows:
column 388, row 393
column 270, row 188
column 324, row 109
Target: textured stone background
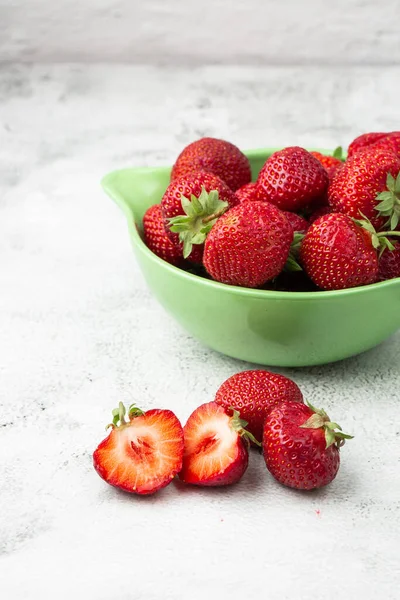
column 188, row 31
column 79, row 330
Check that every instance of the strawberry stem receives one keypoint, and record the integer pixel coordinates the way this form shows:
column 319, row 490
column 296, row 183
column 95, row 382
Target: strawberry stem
column 119, row 415
column 239, row 426
column 197, row 218
column 320, row 420
column 215, row 215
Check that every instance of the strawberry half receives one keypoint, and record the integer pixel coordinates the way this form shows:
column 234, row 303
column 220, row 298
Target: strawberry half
column 142, row 455
column 301, row 445
column 216, row 446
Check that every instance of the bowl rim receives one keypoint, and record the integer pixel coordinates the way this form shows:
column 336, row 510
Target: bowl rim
column 116, row 196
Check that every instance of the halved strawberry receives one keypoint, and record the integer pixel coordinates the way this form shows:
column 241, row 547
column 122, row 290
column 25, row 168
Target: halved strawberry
column 216, row 446
column 142, row 455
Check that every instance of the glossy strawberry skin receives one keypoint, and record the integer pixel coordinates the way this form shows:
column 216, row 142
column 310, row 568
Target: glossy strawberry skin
column 248, row 245
column 371, row 139
column 292, row 178
column 356, row 185
column 363, row 141
column 247, row 193
column 337, row 254
column 296, row 457
column 254, row 393
column 297, row 222
column 389, row 263
column 171, row 203
column 214, row 156
column 330, row 163
column 207, row 433
column 156, row 238
column 129, row 457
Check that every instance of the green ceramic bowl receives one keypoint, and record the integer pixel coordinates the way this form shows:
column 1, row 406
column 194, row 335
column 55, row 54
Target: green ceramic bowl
column 266, row 327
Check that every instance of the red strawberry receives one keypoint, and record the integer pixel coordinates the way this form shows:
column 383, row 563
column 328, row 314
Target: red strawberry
column 248, row 192
column 248, row 245
column 336, row 253
column 390, row 143
column 253, row 393
column 292, row 178
column 357, row 187
column 363, row 141
column 214, row 156
column 297, row 222
column 319, row 212
column 156, row 237
column 331, row 163
column 370, row 139
column 301, row 445
column 216, row 446
column 389, row 263
column 142, row 455
column 190, row 207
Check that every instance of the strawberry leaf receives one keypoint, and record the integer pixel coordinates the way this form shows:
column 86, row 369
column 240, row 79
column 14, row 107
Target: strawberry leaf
column 397, row 184
column 338, row 153
column 390, row 182
column 200, row 215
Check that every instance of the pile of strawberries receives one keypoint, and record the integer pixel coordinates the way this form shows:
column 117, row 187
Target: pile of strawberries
column 300, row 444
column 309, row 221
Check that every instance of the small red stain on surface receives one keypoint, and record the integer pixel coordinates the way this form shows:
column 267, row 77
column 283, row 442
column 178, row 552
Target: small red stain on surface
column 222, row 520
column 318, row 512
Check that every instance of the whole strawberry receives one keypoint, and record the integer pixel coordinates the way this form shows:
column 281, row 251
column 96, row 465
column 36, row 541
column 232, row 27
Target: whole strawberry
column 143, row 454
column 331, row 163
column 337, row 253
column 391, row 140
column 357, row 188
column 248, row 245
column 301, row 445
column 214, row 156
column 190, row 207
column 216, row 446
column 292, row 178
column 156, row 238
column 254, row 393
column 389, row 263
column 363, row 141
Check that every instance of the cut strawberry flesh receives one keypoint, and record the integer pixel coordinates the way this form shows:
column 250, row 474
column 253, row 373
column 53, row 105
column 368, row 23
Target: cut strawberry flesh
column 143, row 455
column 212, row 447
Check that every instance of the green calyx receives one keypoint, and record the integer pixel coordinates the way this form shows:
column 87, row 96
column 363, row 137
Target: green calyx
column 338, row 153
column 292, row 263
column 333, row 431
column 200, row 215
column 380, row 240
column 239, row 425
column 389, row 201
column 120, row 412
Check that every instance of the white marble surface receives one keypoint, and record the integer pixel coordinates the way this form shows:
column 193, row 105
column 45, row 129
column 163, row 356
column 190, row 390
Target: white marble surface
column 193, row 32
column 79, row 332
